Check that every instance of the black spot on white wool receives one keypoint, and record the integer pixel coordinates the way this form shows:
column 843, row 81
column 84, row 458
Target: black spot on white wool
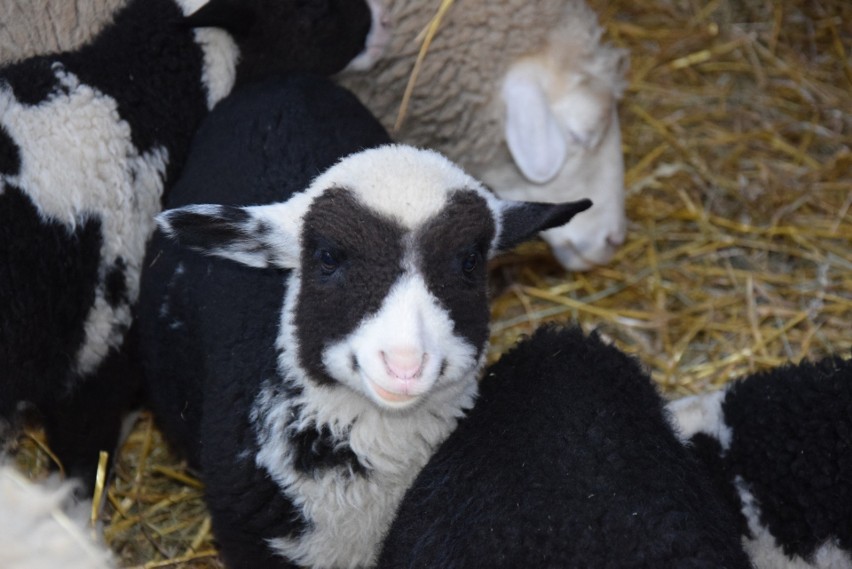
column 33, row 81
column 316, row 449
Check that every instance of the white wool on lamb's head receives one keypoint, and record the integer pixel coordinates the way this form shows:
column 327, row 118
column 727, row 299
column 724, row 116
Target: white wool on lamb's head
column 388, row 248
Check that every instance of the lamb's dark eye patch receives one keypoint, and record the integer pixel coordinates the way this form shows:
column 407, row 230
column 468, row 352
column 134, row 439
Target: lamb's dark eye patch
column 356, row 256
column 453, row 247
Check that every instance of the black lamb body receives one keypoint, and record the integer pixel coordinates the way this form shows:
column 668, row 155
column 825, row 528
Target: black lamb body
column 90, row 142
column 567, row 460
column 779, row 444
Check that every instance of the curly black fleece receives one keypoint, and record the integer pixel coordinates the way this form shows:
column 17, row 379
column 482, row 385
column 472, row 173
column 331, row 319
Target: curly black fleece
column 567, row 460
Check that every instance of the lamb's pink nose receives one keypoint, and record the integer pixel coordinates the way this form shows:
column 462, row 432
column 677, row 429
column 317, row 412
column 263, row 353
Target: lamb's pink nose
column 404, row 363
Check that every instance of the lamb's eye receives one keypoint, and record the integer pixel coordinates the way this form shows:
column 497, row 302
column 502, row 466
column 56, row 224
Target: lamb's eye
column 470, row 262
column 328, row 261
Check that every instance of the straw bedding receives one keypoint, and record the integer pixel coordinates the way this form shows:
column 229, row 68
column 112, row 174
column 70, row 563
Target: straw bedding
column 738, row 151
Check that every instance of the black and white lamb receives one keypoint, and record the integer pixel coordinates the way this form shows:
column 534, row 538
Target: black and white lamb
column 90, row 140
column 567, row 460
column 779, row 444
column 311, row 379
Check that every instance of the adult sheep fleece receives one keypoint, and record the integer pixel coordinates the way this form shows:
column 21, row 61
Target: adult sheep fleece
column 33, row 27
column 523, row 95
column 90, row 140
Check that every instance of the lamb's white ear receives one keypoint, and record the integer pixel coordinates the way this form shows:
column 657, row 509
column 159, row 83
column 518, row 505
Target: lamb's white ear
column 533, row 135
column 258, row 236
column 523, row 220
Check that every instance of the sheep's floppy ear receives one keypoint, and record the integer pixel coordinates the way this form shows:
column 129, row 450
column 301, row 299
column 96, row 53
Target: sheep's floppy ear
column 261, row 236
column 230, row 15
column 523, row 220
column 533, row 135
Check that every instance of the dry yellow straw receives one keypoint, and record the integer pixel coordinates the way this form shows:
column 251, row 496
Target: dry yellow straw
column 42, row 446
column 100, row 480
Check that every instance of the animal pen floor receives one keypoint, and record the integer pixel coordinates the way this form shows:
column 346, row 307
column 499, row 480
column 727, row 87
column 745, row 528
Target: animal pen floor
column 737, row 130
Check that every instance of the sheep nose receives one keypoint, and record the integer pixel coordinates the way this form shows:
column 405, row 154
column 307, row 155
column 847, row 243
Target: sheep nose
column 615, row 240
column 404, row 363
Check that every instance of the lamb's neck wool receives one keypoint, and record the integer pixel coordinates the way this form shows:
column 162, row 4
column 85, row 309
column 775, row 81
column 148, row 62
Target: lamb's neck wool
column 348, row 505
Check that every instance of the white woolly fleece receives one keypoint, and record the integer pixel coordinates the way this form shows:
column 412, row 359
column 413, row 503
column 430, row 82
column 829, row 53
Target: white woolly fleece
column 37, row 530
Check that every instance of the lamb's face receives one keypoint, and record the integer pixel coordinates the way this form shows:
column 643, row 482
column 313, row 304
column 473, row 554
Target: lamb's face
column 389, row 249
column 394, row 307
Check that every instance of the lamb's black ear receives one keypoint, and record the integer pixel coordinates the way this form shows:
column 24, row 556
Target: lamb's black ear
column 230, row 15
column 259, row 236
column 523, row 220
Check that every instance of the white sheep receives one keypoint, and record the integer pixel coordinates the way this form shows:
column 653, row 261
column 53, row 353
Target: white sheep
column 779, row 444
column 522, row 94
column 42, row 527
column 90, row 141
column 311, row 379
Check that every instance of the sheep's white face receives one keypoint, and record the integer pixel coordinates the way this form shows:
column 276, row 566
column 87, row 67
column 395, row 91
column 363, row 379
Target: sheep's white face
column 562, row 132
column 595, row 171
column 389, row 250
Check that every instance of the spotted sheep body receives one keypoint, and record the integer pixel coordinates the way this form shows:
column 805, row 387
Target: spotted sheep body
column 779, row 445
column 91, row 140
column 312, row 379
